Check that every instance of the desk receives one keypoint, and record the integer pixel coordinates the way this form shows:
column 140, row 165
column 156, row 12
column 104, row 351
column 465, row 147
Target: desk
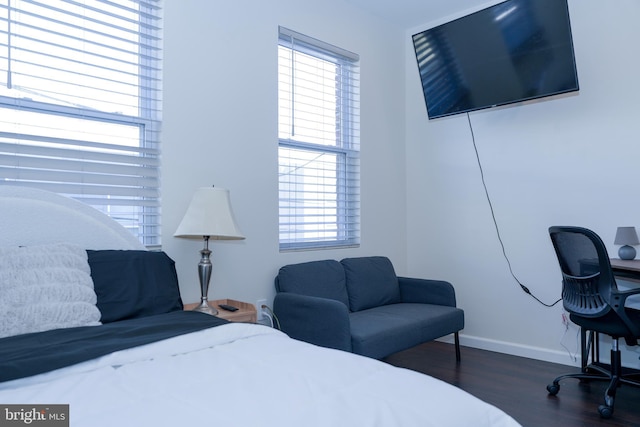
column 626, row 269
column 627, row 273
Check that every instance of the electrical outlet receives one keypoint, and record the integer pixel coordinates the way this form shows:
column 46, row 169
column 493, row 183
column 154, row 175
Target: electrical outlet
column 260, row 311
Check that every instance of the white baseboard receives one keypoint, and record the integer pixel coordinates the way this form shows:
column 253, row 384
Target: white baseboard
column 521, row 350
column 630, row 355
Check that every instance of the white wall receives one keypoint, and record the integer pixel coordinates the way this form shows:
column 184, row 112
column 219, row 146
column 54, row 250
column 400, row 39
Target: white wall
column 568, row 160
column 220, row 127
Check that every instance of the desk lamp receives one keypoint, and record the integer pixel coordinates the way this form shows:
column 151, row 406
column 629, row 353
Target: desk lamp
column 209, row 216
column 626, row 236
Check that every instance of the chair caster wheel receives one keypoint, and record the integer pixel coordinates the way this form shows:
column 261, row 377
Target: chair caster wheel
column 553, row 389
column 605, row 411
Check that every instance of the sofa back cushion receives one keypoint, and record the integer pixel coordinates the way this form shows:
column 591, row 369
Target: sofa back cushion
column 324, row 279
column 371, row 282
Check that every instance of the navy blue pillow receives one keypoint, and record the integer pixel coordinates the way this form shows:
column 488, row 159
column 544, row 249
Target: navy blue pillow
column 133, row 283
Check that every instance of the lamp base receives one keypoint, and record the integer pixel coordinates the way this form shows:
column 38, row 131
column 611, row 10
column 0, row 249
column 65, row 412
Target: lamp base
column 204, row 274
column 204, row 307
column 627, row 252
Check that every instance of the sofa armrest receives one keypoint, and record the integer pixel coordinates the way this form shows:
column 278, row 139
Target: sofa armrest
column 427, row 291
column 319, row 321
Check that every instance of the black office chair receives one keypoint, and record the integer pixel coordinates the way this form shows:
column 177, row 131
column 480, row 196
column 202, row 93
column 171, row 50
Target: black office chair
column 593, row 301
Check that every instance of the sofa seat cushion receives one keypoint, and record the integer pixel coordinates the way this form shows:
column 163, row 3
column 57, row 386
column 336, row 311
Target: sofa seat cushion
column 405, row 325
column 371, row 282
column 323, row 279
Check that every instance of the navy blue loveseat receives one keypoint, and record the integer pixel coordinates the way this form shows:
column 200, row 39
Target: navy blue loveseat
column 360, row 305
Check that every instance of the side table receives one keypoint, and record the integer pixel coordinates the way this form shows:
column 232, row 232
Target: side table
column 246, row 312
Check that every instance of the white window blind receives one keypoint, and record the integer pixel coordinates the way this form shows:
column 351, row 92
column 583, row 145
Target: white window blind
column 319, row 142
column 80, row 104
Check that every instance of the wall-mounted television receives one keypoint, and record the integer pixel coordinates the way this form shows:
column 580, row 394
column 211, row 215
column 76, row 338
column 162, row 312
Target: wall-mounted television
column 513, row 51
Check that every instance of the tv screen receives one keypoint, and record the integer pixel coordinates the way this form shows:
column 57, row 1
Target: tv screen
column 513, row 51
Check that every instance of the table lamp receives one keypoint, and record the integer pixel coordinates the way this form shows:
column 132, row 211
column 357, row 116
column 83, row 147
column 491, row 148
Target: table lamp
column 209, row 216
column 626, row 236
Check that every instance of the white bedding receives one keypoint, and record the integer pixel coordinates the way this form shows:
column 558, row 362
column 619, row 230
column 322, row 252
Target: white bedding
column 249, row 375
column 232, row 375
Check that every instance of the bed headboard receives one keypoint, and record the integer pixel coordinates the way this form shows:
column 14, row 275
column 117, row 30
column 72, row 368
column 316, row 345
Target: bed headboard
column 30, row 216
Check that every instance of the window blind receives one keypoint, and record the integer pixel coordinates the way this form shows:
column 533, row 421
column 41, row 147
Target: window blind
column 319, row 141
column 80, row 104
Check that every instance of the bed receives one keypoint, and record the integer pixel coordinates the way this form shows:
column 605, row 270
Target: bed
column 126, row 353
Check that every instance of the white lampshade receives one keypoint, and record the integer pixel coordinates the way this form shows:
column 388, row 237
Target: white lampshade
column 210, row 214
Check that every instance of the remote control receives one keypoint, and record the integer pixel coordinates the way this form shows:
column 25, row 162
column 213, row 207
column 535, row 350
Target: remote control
column 228, row 307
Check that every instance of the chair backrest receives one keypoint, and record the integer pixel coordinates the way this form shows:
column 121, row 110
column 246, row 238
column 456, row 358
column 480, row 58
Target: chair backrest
column 371, row 282
column 324, row 279
column 587, row 278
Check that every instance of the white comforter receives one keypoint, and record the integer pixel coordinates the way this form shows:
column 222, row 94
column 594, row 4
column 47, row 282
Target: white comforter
column 249, row 375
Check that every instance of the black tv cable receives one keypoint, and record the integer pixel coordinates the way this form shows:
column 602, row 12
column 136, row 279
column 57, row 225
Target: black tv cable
column 495, row 222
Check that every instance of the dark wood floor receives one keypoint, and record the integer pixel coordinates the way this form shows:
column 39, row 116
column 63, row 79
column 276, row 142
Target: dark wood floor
column 518, row 386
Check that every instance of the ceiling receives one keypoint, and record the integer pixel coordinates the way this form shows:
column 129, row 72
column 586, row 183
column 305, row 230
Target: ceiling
column 411, row 13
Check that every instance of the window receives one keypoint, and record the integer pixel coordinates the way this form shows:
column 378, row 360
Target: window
column 318, row 127
column 80, row 104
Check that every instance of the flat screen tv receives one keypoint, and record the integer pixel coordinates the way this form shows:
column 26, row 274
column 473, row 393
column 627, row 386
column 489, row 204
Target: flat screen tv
column 513, row 51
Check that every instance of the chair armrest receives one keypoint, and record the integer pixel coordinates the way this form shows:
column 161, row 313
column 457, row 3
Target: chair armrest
column 624, row 294
column 319, row 321
column 427, row 291
column 618, row 301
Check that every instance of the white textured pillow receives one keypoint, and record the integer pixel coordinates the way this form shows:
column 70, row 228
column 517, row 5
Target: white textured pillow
column 45, row 287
